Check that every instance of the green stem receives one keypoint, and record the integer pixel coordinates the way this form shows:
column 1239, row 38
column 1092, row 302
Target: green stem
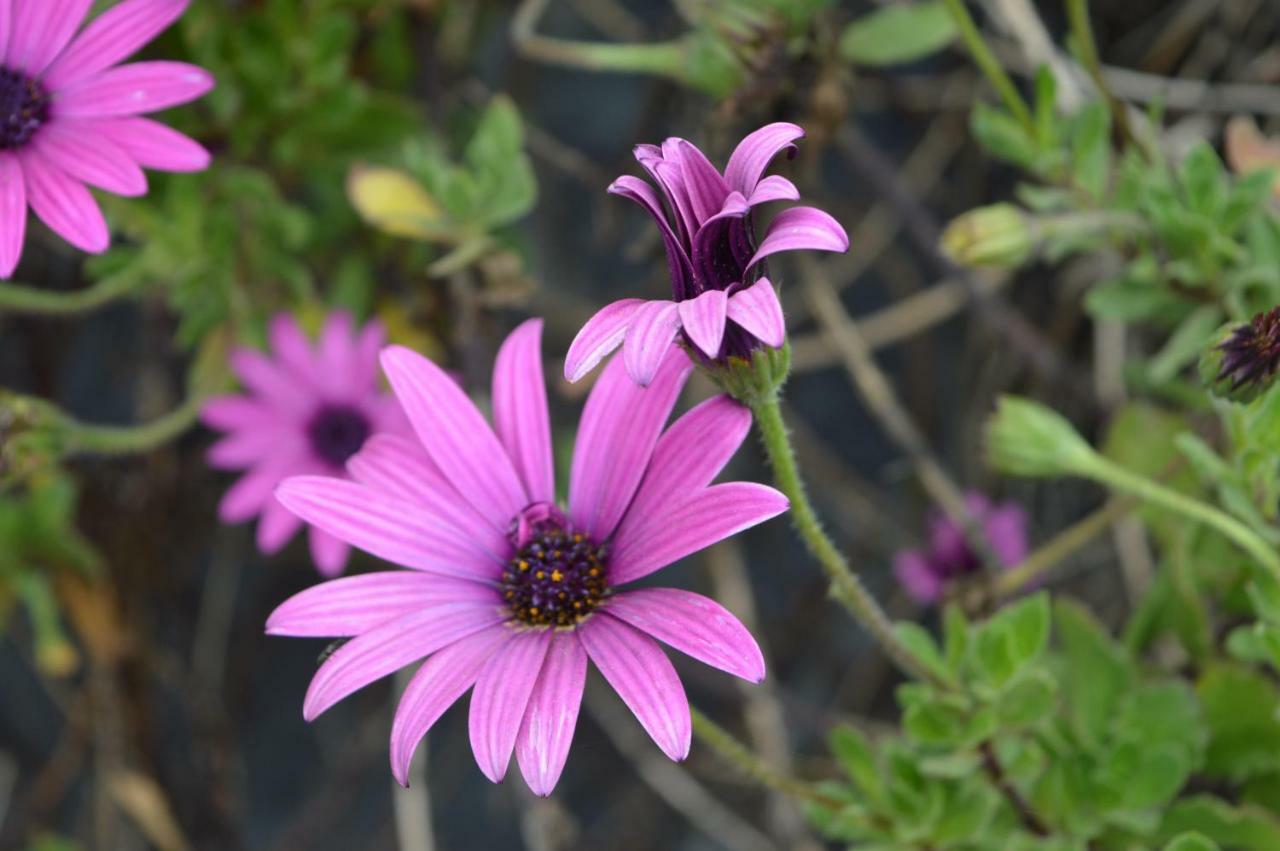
column 24, row 299
column 1123, row 480
column 990, row 65
column 127, row 440
column 1082, row 30
column 666, row 58
column 750, row 764
column 845, row 585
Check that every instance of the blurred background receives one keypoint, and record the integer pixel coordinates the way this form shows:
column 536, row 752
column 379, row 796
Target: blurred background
column 140, row 703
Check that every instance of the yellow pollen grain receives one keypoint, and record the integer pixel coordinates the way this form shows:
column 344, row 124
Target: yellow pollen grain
column 595, row 571
column 533, row 610
column 523, row 565
column 541, row 574
column 557, row 576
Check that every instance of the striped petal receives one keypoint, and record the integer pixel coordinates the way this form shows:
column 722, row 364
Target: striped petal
column 356, row 604
column 801, row 228
column 113, row 36
column 13, row 213
column 694, row 625
column 520, row 410
column 94, row 160
column 759, row 312
column 64, row 204
column 552, row 716
column 150, row 143
column 703, row 320
column 603, row 333
column 133, row 89
column 754, row 153
column 649, row 338
column 501, row 697
column 40, row 29
column 643, row 677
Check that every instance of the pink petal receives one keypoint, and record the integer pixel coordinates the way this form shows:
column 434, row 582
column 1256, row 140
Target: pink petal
column 710, row 241
column 150, row 143
column 96, row 161
column 801, row 228
column 917, row 578
column 246, row 447
column 773, row 188
column 133, row 89
column 64, row 204
column 265, row 379
column 602, row 334
column 392, row 645
column 436, row 686
column 520, row 410
column 329, row 553
column 754, row 153
column 502, row 694
column 455, row 435
column 643, row 677
column 290, row 346
column 228, row 413
column 678, row 264
column 401, row 468
column 670, row 176
column 364, row 358
column 276, row 526
column 13, row 212
column 653, row 327
column 6, row 27
column 680, row 529
column 758, row 310
column 356, row 604
column 692, row 624
column 706, row 187
column 40, row 29
column 248, row 495
column 688, row 456
column 547, row 731
column 389, row 528
column 619, row 428
column 114, row 35
column 335, row 355
column 703, row 320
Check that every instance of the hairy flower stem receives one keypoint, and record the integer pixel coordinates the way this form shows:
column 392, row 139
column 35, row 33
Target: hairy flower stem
column 749, row 763
column 32, row 300
column 846, row 587
column 126, row 440
column 990, row 65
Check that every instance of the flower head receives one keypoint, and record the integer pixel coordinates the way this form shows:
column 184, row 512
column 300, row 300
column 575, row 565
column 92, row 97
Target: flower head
column 308, row 409
column 508, row 591
column 69, row 114
column 925, row 574
column 1245, row 361
column 721, row 299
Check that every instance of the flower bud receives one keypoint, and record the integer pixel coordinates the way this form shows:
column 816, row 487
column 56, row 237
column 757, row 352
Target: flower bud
column 1242, row 365
column 999, row 235
column 1024, row 438
column 756, row 380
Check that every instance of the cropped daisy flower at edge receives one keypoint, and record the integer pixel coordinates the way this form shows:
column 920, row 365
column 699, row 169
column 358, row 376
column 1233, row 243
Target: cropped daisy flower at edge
column 69, row 114
column 510, row 593
column 721, row 297
column 307, row 410
column 926, row 574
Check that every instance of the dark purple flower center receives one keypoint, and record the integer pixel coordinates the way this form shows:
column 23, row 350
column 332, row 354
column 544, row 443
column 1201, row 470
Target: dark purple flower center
column 24, row 106
column 337, row 432
column 1252, row 352
column 557, row 576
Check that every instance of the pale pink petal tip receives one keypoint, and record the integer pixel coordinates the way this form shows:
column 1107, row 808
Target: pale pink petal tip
column 603, row 333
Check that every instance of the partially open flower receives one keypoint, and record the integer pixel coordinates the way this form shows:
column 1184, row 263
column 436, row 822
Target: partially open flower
column 721, row 299
column 926, row 574
column 1243, row 365
column 507, row 590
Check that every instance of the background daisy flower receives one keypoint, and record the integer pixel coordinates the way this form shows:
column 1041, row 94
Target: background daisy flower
column 69, row 114
column 308, row 409
column 720, row 295
column 508, row 592
column 925, row 574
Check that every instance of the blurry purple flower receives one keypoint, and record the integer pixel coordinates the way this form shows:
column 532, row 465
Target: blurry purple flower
column 509, row 592
column 69, row 114
column 925, row 575
column 720, row 295
column 308, row 410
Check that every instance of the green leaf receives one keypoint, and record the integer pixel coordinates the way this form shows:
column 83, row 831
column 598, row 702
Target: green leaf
column 937, row 721
column 1027, row 699
column 1091, row 148
column 918, row 640
column 955, row 634
column 1246, row 828
column 1193, row 335
column 1204, row 179
column 897, row 34
column 1191, row 841
column 1096, row 674
column 855, row 756
column 1003, row 136
column 1240, row 709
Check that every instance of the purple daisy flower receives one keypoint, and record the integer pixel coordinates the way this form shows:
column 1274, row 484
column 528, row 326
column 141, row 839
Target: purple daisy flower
column 308, row 410
column 720, row 296
column 510, row 593
column 69, row 114
column 925, row 575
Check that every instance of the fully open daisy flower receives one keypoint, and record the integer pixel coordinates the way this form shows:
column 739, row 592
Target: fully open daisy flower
column 69, row 114
column 720, row 295
column 508, row 591
column 926, row 574
column 308, row 409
